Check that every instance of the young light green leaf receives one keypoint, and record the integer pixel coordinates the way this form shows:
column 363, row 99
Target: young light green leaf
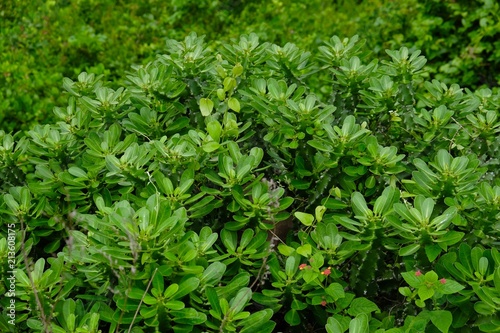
column 214, row 128
column 234, row 104
column 206, row 106
column 305, row 218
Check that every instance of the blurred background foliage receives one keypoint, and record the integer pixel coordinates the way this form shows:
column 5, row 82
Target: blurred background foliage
column 42, row 41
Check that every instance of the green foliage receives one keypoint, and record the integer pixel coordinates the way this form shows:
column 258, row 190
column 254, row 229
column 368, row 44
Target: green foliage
column 257, row 188
column 44, row 41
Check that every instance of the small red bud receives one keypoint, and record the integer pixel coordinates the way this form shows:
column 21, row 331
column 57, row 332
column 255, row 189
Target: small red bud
column 418, row 273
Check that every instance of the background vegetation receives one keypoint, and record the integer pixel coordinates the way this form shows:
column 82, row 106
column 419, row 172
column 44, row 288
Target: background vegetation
column 44, row 41
column 269, row 176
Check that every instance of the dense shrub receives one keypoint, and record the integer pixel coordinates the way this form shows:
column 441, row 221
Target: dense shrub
column 257, row 188
column 44, row 41
column 460, row 38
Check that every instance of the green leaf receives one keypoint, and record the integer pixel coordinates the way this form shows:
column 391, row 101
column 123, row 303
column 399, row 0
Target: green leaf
column 333, row 326
column 285, row 250
column 206, row 106
column 386, row 201
column 292, row 317
column 409, row 250
column 432, row 252
column 241, row 299
column 496, row 278
column 188, row 316
column 304, row 250
column 412, row 279
column 11, row 202
column 359, row 205
column 464, row 254
column 427, row 208
column 158, row 283
column 450, row 287
column 174, row 305
column 425, row 292
column 443, row 221
column 171, row 290
column 291, row 266
column 403, row 211
column 229, row 239
column 237, row 70
column 483, row 266
column 25, row 198
column 234, row 104
column 187, row 286
column 319, row 212
column 187, row 179
column 213, row 299
column 362, row 305
column 309, row 275
column 405, row 291
column 317, row 260
column 214, row 128
column 38, row 270
column 298, row 305
column 431, row 277
column 210, row 147
column 221, row 94
column 244, row 167
column 359, row 324
column 484, row 308
column 213, row 274
column 336, row 291
column 229, row 83
column 77, row 172
column 451, row 237
column 257, row 322
column 305, row 218
column 441, row 319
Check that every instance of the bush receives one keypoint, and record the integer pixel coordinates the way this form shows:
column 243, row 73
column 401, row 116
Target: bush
column 44, row 41
column 460, row 38
column 257, row 188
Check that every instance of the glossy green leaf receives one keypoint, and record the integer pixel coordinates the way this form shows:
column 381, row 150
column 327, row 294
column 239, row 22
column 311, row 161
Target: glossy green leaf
column 441, row 319
column 241, row 299
column 256, row 321
column 291, row 266
column 359, row 324
column 206, row 106
column 186, row 286
column 333, row 326
column 409, row 250
column 359, row 205
column 234, row 104
column 292, row 317
column 361, row 305
column 305, row 218
column 214, row 128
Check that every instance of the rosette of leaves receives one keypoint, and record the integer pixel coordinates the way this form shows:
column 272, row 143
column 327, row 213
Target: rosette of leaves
column 371, row 228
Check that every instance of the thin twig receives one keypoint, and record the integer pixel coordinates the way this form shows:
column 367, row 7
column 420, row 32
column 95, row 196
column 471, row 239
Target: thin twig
column 142, row 299
column 46, row 325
